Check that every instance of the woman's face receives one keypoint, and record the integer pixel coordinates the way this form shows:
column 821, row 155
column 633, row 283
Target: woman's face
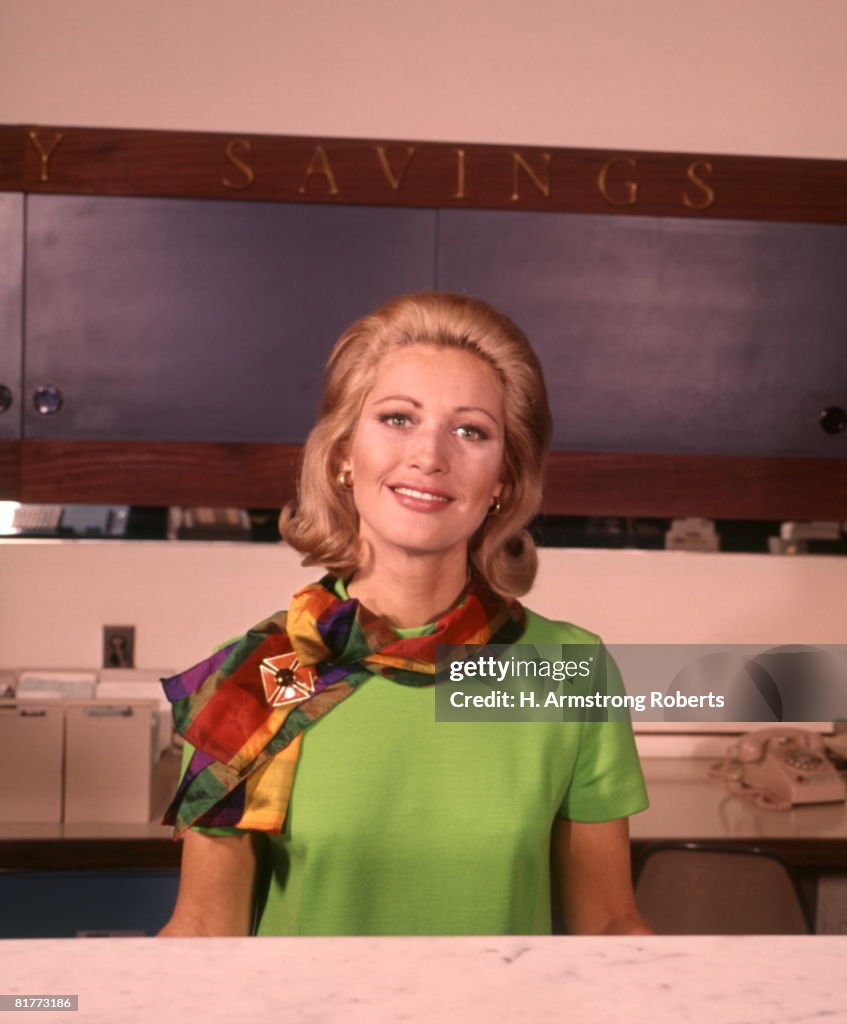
column 426, row 456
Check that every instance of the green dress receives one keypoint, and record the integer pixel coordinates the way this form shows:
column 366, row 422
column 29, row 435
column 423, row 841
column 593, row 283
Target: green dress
column 402, row 825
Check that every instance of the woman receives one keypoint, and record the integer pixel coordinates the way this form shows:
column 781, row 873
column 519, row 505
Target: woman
column 423, row 469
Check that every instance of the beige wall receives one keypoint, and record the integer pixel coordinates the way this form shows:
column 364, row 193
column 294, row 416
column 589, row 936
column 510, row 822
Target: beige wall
column 184, row 598
column 740, row 76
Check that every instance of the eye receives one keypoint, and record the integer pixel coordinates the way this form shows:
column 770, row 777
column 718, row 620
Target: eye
column 471, row 432
column 395, row 419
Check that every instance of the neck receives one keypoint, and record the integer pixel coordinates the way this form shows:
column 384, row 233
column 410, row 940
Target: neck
column 408, row 591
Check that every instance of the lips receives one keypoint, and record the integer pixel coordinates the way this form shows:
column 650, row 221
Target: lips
column 422, row 494
column 427, row 497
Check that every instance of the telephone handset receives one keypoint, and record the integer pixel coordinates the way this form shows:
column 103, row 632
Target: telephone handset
column 779, row 768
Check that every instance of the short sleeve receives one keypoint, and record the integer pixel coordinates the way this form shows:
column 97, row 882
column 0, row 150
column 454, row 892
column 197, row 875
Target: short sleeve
column 607, row 781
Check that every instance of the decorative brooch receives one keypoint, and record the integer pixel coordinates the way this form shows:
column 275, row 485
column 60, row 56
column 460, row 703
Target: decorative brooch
column 286, row 681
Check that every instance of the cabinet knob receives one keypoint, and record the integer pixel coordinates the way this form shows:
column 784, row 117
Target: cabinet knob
column 5, row 398
column 833, row 419
column 47, row 400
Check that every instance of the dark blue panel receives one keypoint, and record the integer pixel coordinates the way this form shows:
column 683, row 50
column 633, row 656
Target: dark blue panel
column 200, row 320
column 64, row 904
column 669, row 335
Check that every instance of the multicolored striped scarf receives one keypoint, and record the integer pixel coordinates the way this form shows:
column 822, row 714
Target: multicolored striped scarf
column 245, row 709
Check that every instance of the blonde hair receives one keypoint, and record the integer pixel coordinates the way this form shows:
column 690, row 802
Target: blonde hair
column 323, row 522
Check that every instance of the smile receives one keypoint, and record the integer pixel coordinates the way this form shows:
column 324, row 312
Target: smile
column 411, row 492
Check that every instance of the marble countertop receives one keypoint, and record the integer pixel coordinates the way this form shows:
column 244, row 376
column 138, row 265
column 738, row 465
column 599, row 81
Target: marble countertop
column 684, row 980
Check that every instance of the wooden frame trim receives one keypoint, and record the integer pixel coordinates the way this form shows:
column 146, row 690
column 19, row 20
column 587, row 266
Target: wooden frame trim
column 301, row 169
column 159, row 473
column 577, row 483
column 10, row 470
column 108, row 854
column 88, row 854
column 711, row 486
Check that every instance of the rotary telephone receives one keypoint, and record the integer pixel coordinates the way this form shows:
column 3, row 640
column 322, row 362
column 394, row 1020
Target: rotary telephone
column 778, row 768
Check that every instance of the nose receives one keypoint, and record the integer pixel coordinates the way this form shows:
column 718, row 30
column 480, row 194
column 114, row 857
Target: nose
column 428, row 451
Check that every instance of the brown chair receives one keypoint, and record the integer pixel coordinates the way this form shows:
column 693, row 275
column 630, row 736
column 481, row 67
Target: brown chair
column 717, row 889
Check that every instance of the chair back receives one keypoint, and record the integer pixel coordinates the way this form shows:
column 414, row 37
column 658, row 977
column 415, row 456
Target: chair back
column 712, row 889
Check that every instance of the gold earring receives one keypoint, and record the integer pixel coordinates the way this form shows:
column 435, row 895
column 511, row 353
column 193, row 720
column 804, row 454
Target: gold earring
column 495, row 505
column 345, row 479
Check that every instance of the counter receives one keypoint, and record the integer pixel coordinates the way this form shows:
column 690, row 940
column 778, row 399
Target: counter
column 686, row 804
column 651, row 980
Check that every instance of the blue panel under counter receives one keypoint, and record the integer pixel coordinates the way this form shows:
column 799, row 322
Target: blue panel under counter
column 85, row 903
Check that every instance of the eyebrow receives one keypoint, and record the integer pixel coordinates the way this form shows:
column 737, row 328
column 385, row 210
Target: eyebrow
column 417, row 405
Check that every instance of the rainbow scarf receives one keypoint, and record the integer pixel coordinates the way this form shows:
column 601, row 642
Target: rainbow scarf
column 245, row 709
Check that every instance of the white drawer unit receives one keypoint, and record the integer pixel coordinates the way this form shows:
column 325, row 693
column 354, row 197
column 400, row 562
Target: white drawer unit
column 111, row 748
column 31, row 761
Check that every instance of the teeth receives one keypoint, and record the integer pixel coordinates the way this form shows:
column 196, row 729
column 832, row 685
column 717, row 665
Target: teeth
column 418, row 494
